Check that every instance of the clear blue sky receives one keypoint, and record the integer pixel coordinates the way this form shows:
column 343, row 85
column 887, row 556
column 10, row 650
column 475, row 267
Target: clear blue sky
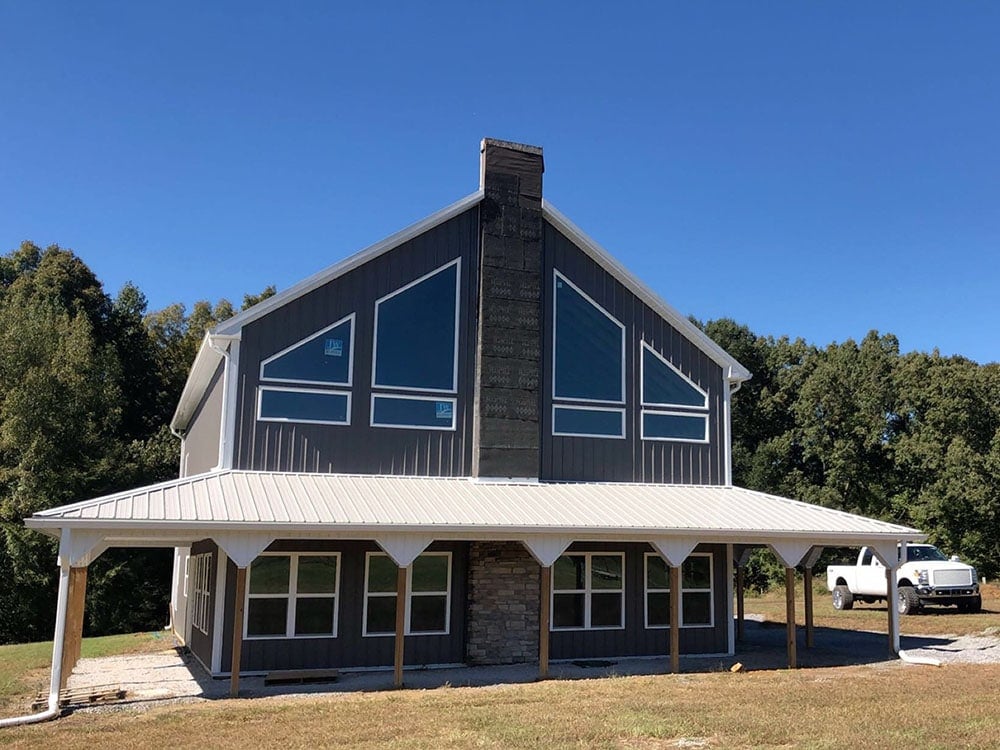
column 814, row 169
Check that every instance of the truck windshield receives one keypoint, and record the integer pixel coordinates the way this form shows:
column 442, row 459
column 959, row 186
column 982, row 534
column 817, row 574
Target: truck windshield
column 916, row 553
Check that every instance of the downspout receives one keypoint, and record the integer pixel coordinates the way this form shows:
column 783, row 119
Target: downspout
column 57, row 649
column 734, row 386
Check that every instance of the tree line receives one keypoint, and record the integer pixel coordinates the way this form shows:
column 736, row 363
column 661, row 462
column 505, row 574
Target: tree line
column 89, row 382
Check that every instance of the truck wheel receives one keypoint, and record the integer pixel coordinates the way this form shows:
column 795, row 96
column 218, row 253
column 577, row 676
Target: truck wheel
column 842, row 598
column 972, row 604
column 908, row 602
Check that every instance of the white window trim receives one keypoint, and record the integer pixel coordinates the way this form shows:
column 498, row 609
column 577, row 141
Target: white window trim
column 260, row 398
column 557, row 277
column 646, row 591
column 292, row 596
column 200, row 600
column 350, row 357
column 409, row 596
column 693, row 415
column 664, row 360
column 450, row 428
column 619, row 410
column 458, row 303
column 587, row 592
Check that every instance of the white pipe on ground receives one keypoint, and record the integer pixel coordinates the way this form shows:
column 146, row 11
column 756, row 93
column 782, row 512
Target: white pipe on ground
column 930, row 661
column 57, row 648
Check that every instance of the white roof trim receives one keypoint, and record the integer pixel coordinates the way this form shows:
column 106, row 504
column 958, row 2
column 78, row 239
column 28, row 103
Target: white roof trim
column 206, row 362
column 365, row 506
column 734, row 370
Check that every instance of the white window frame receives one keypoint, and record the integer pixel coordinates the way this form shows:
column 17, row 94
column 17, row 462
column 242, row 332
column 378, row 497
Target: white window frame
column 458, row 303
column 557, row 276
column 307, row 339
column 287, row 420
column 587, row 592
column 200, row 572
column 646, row 591
column 642, row 381
column 580, row 407
column 410, row 594
column 408, row 397
column 292, row 596
column 654, row 412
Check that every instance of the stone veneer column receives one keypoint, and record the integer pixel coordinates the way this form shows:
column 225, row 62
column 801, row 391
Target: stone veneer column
column 508, row 353
column 502, row 624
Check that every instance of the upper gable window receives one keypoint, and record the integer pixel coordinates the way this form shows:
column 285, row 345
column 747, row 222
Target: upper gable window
column 416, row 334
column 686, row 417
column 322, row 359
column 588, row 365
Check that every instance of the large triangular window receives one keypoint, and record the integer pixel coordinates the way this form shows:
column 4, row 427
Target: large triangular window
column 674, row 407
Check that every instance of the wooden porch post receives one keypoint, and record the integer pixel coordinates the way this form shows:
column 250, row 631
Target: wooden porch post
column 240, row 595
column 790, row 616
column 400, row 626
column 740, row 585
column 675, row 619
column 544, row 621
column 807, row 596
column 892, row 602
column 74, row 623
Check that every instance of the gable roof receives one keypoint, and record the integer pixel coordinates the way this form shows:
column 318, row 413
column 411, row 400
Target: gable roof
column 202, row 371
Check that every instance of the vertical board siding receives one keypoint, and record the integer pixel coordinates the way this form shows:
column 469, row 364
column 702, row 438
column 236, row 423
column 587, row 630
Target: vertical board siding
column 350, row 648
column 201, row 644
column 631, row 459
column 201, row 442
column 358, row 448
column 635, row 639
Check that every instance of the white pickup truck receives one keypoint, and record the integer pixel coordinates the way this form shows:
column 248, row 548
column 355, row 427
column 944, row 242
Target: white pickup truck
column 926, row 576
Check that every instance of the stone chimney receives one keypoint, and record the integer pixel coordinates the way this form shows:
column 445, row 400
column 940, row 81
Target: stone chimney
column 509, row 346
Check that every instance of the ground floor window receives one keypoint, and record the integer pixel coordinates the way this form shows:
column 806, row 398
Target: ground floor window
column 428, row 594
column 201, row 567
column 588, row 591
column 696, row 591
column 293, row 595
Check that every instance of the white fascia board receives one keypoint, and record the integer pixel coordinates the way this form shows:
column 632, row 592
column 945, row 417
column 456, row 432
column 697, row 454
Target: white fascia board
column 206, row 362
column 235, row 323
column 735, row 372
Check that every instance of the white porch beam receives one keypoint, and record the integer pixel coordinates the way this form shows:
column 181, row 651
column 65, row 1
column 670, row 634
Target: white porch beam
column 243, row 547
column 791, row 551
column 546, row 548
column 674, row 551
column 404, row 548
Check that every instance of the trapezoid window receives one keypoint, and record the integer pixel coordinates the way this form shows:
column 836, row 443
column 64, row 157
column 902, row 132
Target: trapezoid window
column 674, row 407
column 588, row 365
column 322, row 359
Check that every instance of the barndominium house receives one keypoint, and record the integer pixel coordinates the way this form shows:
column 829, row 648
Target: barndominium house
column 479, row 441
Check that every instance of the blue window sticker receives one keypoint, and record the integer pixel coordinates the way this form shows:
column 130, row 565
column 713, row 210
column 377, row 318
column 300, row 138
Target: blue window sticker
column 444, row 410
column 334, row 348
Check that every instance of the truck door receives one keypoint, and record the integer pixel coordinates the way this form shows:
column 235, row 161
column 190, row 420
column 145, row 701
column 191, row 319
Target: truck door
column 871, row 575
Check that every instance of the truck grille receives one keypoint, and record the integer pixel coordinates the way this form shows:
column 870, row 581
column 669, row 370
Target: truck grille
column 958, row 577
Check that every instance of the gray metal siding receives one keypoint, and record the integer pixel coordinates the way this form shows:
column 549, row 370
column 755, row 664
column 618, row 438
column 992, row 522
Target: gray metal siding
column 201, row 643
column 350, row 648
column 635, row 639
column 201, row 442
column 358, row 448
column 631, row 459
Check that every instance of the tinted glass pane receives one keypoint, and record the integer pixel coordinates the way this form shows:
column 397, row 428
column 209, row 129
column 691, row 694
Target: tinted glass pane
column 381, row 573
column 430, row 573
column 324, row 359
column 680, row 426
column 606, row 572
column 269, row 575
column 588, row 422
column 567, row 610
column 569, row 573
column 606, row 611
column 658, row 609
column 314, row 616
column 317, row 574
column 427, row 614
column 267, row 616
column 697, row 608
column 381, row 614
column 696, row 573
column 412, row 412
column 302, row 406
column 416, row 335
column 657, row 573
column 588, row 356
column 661, row 385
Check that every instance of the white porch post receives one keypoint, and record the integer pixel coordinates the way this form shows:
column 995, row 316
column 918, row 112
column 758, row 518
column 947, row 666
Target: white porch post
column 892, row 604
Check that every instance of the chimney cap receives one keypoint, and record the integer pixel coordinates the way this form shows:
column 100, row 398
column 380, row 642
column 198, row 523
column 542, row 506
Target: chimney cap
column 524, row 147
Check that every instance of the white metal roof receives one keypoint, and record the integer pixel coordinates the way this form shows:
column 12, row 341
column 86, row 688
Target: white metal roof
column 352, row 505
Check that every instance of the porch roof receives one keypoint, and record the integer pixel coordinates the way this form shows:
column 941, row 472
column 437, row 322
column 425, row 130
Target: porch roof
column 307, row 504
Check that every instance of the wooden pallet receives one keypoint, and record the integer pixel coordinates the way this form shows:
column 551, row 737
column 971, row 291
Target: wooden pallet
column 80, row 697
column 300, row 676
